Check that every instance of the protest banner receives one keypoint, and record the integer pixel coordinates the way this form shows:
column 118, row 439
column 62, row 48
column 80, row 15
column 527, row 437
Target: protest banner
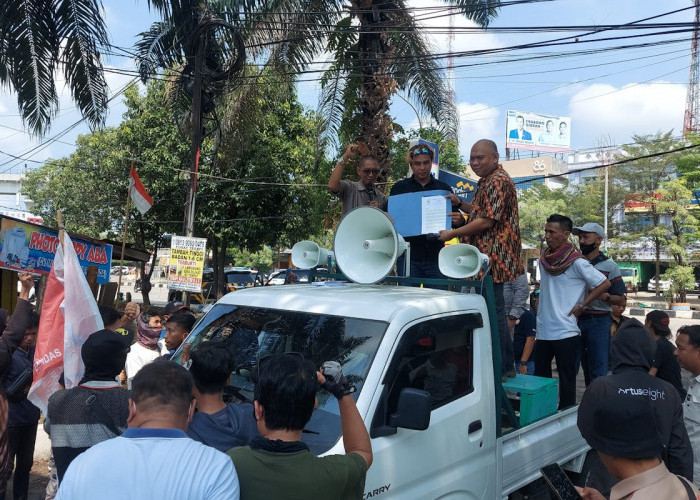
column 186, row 263
column 32, row 248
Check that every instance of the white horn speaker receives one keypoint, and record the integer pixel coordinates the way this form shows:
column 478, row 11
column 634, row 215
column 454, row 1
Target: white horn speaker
column 461, row 261
column 367, row 245
column 307, row 254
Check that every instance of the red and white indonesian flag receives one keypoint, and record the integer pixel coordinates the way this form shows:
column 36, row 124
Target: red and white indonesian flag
column 69, row 315
column 139, row 195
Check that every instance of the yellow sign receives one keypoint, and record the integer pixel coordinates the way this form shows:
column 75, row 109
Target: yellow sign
column 186, row 263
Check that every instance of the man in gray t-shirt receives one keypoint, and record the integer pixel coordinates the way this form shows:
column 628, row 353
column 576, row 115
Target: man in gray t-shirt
column 355, row 194
column 595, row 320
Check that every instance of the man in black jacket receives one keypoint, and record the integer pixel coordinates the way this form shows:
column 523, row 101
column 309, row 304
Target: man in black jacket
column 632, row 353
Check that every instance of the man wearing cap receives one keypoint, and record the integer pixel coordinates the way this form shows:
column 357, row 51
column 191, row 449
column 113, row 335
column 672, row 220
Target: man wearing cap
column 569, row 284
column 595, row 321
column 424, row 248
column 360, row 193
column 95, row 410
column 665, row 363
column 631, row 355
column 624, row 433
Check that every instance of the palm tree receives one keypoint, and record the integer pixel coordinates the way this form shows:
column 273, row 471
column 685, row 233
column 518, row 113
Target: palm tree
column 377, row 50
column 39, row 36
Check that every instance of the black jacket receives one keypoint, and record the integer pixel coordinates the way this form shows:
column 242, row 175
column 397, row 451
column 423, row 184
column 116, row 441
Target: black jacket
column 632, row 353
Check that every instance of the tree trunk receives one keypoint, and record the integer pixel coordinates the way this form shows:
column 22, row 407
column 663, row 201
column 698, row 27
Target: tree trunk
column 222, row 289
column 657, row 259
column 376, row 88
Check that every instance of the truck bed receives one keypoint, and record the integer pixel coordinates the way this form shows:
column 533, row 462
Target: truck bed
column 524, row 451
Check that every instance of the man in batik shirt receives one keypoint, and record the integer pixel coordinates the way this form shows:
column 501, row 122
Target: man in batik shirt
column 493, row 228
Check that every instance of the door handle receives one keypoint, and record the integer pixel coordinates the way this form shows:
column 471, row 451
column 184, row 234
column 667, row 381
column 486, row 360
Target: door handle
column 474, row 426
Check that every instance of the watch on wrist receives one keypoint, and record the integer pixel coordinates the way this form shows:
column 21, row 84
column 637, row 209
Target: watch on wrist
column 514, row 318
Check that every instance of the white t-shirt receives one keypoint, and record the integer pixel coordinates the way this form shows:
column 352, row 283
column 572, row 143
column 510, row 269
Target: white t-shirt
column 153, row 463
column 559, row 294
column 137, row 358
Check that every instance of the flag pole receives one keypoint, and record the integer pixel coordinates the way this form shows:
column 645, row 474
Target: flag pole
column 126, row 224
column 59, row 221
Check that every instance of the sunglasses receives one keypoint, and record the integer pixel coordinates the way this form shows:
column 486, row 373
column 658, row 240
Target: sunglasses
column 420, row 151
column 373, row 171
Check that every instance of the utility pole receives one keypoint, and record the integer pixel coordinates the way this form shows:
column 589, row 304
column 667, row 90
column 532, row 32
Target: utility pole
column 195, row 147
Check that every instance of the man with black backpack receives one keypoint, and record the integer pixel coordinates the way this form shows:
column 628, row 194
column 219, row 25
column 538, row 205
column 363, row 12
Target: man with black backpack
column 97, row 409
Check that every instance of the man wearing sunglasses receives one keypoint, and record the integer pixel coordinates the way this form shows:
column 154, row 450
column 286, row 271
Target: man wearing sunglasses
column 355, row 194
column 285, row 397
column 424, row 249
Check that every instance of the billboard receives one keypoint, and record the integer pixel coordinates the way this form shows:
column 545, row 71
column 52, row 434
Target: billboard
column 186, row 263
column 538, row 132
column 31, row 248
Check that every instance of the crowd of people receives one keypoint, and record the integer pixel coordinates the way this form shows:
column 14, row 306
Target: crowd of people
column 631, row 370
column 134, row 408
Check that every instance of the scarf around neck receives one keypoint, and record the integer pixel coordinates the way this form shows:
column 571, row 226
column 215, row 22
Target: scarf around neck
column 557, row 261
column 147, row 335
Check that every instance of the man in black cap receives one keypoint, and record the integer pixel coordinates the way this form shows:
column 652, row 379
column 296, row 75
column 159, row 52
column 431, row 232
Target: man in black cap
column 632, row 353
column 625, row 434
column 98, row 408
column 665, row 364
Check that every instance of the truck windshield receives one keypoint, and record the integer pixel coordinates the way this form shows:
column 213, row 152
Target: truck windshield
column 251, row 333
column 626, row 271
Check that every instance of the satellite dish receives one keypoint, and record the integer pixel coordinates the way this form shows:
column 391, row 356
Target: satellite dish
column 307, row 255
column 367, row 245
column 461, row 261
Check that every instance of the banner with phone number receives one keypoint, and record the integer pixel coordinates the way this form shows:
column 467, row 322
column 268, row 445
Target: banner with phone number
column 186, row 263
column 32, row 248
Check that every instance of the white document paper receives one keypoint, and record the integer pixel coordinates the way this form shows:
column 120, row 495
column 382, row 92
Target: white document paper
column 434, row 214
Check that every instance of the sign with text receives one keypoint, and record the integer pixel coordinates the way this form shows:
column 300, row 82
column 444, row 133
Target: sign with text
column 537, row 132
column 32, row 248
column 186, row 263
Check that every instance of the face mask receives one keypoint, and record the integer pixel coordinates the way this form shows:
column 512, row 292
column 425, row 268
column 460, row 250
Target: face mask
column 586, row 249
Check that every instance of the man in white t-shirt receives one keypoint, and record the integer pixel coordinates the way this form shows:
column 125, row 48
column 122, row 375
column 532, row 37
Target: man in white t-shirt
column 155, row 458
column 565, row 276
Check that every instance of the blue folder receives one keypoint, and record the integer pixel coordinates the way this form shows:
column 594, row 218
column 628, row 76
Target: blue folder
column 407, row 211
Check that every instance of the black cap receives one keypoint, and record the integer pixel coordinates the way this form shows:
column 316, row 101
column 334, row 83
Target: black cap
column 660, row 321
column 623, row 427
column 174, row 306
column 104, row 354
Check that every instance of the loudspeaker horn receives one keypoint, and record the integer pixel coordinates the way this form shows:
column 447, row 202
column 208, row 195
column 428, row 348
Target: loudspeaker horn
column 367, row 245
column 461, row 261
column 307, row 255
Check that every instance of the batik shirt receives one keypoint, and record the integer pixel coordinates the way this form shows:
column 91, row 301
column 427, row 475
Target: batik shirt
column 496, row 199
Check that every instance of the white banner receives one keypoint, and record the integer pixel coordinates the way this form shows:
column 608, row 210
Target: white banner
column 537, row 132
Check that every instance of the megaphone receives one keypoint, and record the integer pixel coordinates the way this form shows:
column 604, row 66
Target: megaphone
column 307, row 255
column 461, row 261
column 367, row 245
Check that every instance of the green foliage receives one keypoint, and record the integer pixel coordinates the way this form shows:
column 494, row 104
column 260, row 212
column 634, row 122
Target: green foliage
column 37, row 38
column 534, row 206
column 261, row 259
column 682, row 279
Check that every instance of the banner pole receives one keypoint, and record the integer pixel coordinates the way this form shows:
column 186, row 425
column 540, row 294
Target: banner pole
column 126, row 225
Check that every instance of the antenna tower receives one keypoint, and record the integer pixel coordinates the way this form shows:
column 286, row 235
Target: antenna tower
column 691, row 121
column 451, row 59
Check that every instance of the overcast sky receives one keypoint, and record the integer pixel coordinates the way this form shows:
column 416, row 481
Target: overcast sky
column 609, row 96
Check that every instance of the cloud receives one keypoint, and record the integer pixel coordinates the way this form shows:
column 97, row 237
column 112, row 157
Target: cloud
column 602, row 110
column 477, row 121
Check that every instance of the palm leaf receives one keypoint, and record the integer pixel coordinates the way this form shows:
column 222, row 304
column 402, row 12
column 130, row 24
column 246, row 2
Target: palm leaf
column 29, row 56
column 81, row 28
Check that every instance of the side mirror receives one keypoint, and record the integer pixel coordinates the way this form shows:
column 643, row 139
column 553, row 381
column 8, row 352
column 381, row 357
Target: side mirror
column 413, row 410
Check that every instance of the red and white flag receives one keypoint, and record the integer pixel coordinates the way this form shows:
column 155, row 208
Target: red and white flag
column 69, row 315
column 139, row 195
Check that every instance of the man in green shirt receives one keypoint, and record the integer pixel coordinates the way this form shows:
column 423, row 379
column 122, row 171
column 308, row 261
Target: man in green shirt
column 278, row 464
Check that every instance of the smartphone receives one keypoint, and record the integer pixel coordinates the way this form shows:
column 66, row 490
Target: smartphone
column 559, row 482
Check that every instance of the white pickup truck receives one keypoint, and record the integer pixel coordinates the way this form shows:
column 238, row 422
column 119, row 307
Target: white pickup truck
column 420, row 359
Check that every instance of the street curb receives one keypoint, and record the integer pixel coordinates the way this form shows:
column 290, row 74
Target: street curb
column 671, row 314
